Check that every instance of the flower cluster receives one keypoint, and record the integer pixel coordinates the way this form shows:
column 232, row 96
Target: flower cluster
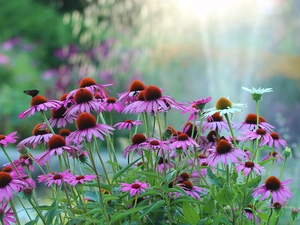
column 210, row 168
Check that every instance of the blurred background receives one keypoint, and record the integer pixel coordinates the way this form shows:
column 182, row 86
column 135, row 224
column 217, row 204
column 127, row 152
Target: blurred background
column 190, row 48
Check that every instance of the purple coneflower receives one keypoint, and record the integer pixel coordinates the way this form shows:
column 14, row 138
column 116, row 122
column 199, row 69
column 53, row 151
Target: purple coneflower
column 74, row 180
column 8, row 168
column 24, row 161
column 138, row 141
column 6, row 214
column 153, row 144
column 39, row 134
column 164, row 165
column 250, row 123
column 39, row 103
column 225, row 152
column 55, row 178
column 195, row 107
column 87, row 128
column 190, row 189
column 259, row 134
column 276, row 141
column 10, row 138
column 183, row 142
column 134, row 188
column 248, row 166
column 130, row 96
column 273, row 154
column 127, row 124
column 215, row 122
column 250, row 215
column 57, row 146
column 9, row 183
column 59, row 119
column 111, row 103
column 280, row 192
column 84, row 102
column 91, row 85
column 153, row 102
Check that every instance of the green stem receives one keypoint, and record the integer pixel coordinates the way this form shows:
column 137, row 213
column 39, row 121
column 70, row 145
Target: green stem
column 9, row 159
column 230, row 128
column 47, row 122
column 99, row 183
column 283, row 166
column 15, row 212
column 242, row 208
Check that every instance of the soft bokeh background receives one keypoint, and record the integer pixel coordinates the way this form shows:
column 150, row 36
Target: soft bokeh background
column 190, row 48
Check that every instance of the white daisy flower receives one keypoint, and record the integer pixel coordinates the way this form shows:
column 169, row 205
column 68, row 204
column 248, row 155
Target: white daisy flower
column 257, row 93
column 224, row 106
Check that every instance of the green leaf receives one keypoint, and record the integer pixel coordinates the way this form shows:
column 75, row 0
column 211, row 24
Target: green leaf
column 263, row 216
column 190, row 213
column 119, row 173
column 33, row 222
column 252, row 183
column 53, row 212
column 121, row 215
column 153, row 207
column 218, row 181
column 225, row 195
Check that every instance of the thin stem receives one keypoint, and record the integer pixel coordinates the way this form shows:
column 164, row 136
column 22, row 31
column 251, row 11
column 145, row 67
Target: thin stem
column 89, row 147
column 15, row 212
column 283, row 166
column 244, row 199
column 47, row 122
column 9, row 159
column 230, row 128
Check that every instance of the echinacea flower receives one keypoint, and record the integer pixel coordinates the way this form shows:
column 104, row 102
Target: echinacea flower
column 59, row 119
column 190, row 189
column 25, row 161
column 134, row 188
column 74, row 180
column 87, row 128
column 250, row 214
column 273, row 154
column 276, row 141
column 164, row 165
column 225, row 152
column 153, row 144
column 91, row 85
column 128, row 124
column 195, row 107
column 215, row 122
column 257, row 93
column 183, row 142
column 250, row 123
column 224, row 106
column 57, row 146
column 153, row 102
column 249, row 166
column 138, row 141
column 39, row 103
column 9, row 183
column 84, row 102
column 280, row 192
column 260, row 134
column 10, row 138
column 55, row 178
column 6, row 214
column 111, row 103
column 39, row 135
column 130, row 96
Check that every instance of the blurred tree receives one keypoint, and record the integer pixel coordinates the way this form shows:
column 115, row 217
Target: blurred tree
column 37, row 23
